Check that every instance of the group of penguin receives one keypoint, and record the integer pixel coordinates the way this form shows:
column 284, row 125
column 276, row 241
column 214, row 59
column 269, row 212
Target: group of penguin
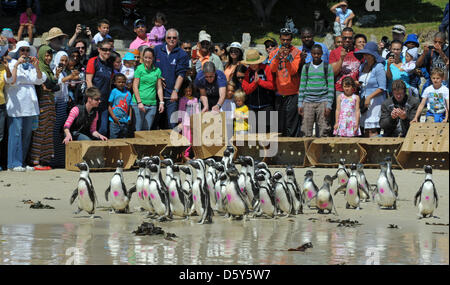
column 219, row 187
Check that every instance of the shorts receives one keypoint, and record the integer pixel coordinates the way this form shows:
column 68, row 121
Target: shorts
column 434, row 118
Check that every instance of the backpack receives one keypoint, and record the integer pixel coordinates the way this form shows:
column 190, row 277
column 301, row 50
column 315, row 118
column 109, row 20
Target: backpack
column 325, row 68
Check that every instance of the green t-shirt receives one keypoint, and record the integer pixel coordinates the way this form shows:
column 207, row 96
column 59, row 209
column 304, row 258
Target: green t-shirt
column 147, row 84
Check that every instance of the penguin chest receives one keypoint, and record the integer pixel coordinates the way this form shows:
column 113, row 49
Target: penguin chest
column 385, row 196
column 241, row 182
column 235, row 204
column 309, row 190
column 187, row 186
column 211, row 189
column 197, row 197
column 292, row 191
column 342, row 177
column 427, row 200
column 116, row 195
column 267, row 206
column 84, row 199
column 281, row 198
column 362, row 185
column 155, row 198
column 323, row 200
column 175, row 199
column 352, row 195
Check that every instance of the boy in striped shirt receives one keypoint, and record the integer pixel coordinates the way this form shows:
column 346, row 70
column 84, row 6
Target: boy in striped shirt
column 316, row 94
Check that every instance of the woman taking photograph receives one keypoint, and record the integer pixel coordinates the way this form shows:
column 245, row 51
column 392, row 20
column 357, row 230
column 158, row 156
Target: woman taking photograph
column 235, row 55
column 147, row 84
column 372, row 81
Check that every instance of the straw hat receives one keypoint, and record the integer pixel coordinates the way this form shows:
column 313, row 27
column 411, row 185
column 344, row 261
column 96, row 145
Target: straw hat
column 252, row 56
column 55, row 33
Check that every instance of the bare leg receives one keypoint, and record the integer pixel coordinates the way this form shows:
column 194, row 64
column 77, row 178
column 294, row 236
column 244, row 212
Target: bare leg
column 20, row 32
column 30, row 34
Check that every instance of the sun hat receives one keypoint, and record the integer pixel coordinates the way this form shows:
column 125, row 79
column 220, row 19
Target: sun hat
column 413, row 52
column 204, row 36
column 7, row 33
column 235, row 45
column 372, row 49
column 399, row 29
column 129, row 56
column 252, row 56
column 412, row 38
column 22, row 44
column 55, row 33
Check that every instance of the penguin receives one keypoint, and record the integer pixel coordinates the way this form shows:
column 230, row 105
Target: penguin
column 228, row 156
column 237, row 204
column 158, row 193
column 283, row 197
column 250, row 185
column 310, row 189
column 324, row 200
column 390, row 175
column 157, row 161
column 211, row 181
column 219, row 190
column 176, row 195
column 267, row 203
column 200, row 193
column 296, row 195
column 144, row 197
column 168, row 164
column 384, row 195
column 342, row 175
column 186, row 186
column 263, row 166
column 84, row 191
column 352, row 190
column 117, row 191
column 363, row 183
column 427, row 195
column 139, row 182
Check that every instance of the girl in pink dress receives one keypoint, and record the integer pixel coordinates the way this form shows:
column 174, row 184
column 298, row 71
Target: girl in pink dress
column 347, row 111
column 188, row 106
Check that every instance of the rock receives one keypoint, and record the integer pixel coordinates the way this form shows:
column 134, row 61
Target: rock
column 345, row 223
column 148, row 229
column 39, row 205
column 302, row 247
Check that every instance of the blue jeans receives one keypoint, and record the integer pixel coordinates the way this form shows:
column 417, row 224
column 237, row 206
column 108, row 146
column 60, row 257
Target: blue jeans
column 118, row 131
column 144, row 121
column 170, row 108
column 19, row 130
column 102, row 125
column 76, row 136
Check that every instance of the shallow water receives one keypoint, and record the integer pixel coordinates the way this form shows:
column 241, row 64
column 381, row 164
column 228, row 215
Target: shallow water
column 110, row 241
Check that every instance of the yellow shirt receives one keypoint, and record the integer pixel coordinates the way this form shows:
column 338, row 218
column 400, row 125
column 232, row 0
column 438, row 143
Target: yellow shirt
column 2, row 84
column 241, row 116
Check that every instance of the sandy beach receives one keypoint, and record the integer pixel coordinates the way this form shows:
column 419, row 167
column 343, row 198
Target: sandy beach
column 44, row 236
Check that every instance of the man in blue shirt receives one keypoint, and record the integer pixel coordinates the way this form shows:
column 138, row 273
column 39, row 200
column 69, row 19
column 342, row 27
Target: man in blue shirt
column 173, row 62
column 307, row 37
column 344, row 17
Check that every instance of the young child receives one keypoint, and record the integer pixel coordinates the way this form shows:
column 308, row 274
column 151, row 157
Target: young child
column 103, row 31
column 128, row 65
column 120, row 110
column 409, row 66
column 240, row 114
column 158, row 33
column 27, row 21
column 228, row 103
column 436, row 98
column 347, row 111
column 188, row 106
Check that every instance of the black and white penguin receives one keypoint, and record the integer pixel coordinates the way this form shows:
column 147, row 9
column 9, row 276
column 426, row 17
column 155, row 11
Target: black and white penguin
column 427, row 195
column 117, row 191
column 390, row 175
column 144, row 197
column 324, row 200
column 267, row 205
column 200, row 192
column 168, row 165
column 283, row 197
column 250, row 183
column 228, row 156
column 384, row 195
column 139, row 182
column 352, row 189
column 84, row 191
column 158, row 193
column 291, row 183
column 219, row 187
column 263, row 167
column 211, row 178
column 363, row 183
column 237, row 204
column 186, row 186
column 342, row 176
column 310, row 190
column 177, row 196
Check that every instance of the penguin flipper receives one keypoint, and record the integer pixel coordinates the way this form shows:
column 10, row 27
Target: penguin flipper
column 131, row 191
column 435, row 194
column 107, row 193
column 340, row 188
column 417, row 196
column 74, row 196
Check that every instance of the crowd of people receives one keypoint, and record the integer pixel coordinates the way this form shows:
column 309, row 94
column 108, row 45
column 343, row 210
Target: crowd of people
column 82, row 89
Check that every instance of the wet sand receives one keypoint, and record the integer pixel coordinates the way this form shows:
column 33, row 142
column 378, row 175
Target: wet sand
column 45, row 236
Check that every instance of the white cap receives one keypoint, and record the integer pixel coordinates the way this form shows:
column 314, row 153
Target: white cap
column 204, row 36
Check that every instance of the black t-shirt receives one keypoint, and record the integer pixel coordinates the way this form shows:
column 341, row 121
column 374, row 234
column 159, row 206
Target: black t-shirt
column 434, row 60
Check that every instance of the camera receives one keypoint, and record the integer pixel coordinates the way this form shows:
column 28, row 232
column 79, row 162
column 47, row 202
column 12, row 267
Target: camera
column 27, row 59
column 60, row 65
column 430, row 47
column 83, row 28
column 51, row 85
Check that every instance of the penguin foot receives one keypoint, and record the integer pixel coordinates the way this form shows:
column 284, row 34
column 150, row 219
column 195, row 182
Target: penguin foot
column 77, row 212
column 436, row 217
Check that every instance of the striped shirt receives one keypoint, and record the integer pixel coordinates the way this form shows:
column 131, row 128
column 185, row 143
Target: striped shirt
column 313, row 88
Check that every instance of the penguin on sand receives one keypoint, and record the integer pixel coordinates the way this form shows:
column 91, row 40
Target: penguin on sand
column 363, row 183
column 427, row 196
column 186, row 186
column 352, row 190
column 139, row 182
column 250, row 184
column 283, row 197
column 384, row 195
column 291, row 183
column 211, row 178
column 177, row 197
column 237, row 204
column 342, row 175
column 200, row 193
column 158, row 194
column 390, row 175
column 310, row 189
column 144, row 197
column 324, row 200
column 117, row 191
column 84, row 191
column 267, row 203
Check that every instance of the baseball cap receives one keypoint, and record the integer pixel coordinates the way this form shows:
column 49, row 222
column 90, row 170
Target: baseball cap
column 129, row 56
column 204, row 36
column 139, row 22
column 399, row 29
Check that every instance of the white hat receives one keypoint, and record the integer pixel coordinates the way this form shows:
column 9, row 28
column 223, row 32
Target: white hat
column 413, row 52
column 24, row 44
column 235, row 45
column 203, row 36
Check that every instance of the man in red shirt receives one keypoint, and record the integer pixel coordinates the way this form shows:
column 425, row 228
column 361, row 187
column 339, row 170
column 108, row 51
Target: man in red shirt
column 284, row 63
column 344, row 64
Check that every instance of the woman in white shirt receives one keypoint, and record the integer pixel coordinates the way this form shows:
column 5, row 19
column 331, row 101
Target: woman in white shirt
column 22, row 103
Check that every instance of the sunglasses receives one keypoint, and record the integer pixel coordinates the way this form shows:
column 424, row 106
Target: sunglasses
column 106, row 49
column 216, row 50
column 240, row 77
column 234, row 51
column 285, row 31
column 24, row 49
column 140, row 26
column 347, row 38
column 81, row 48
column 96, row 99
column 171, row 38
column 187, row 48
